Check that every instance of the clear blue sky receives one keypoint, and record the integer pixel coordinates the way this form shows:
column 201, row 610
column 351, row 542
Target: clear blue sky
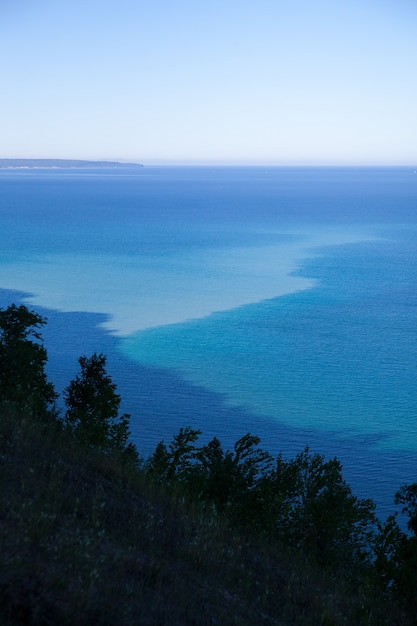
column 223, row 81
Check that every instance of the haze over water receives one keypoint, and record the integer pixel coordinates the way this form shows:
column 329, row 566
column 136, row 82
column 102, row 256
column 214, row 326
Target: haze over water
column 278, row 300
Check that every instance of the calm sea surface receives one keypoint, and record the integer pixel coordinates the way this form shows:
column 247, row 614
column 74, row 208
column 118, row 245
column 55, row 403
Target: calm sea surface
column 278, row 301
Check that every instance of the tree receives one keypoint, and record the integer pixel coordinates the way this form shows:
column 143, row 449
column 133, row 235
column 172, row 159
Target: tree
column 174, row 466
column 316, row 510
column 405, row 574
column 231, row 479
column 93, row 406
column 407, row 496
column 226, row 479
column 23, row 381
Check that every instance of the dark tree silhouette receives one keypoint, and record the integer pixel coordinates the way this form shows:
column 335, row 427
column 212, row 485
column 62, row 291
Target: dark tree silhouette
column 23, row 357
column 93, row 406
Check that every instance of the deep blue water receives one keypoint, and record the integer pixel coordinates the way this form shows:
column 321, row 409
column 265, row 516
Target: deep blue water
column 276, row 301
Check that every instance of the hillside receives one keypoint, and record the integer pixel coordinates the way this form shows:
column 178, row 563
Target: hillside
column 84, row 541
column 90, row 533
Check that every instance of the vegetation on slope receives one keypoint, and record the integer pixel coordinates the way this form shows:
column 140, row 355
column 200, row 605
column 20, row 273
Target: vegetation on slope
column 90, row 533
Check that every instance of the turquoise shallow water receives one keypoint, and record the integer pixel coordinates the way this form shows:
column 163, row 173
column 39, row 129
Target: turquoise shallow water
column 277, row 301
column 340, row 356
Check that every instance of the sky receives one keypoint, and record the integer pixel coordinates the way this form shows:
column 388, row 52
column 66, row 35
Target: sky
column 220, row 82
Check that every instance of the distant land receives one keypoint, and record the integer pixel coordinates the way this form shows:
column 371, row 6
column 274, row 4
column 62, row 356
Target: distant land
column 62, row 164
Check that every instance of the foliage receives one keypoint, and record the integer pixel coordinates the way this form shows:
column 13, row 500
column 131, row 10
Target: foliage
column 231, row 479
column 93, row 406
column 23, row 381
column 172, row 466
column 85, row 540
column 316, row 510
column 303, row 502
column 407, row 496
column 238, row 511
column 404, row 574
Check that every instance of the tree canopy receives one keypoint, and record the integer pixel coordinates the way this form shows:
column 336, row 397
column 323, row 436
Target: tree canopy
column 93, row 408
column 23, row 357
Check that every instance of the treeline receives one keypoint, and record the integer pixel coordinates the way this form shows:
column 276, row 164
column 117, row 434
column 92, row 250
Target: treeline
column 303, row 504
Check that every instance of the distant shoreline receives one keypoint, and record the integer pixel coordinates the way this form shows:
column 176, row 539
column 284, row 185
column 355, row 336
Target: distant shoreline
column 62, row 164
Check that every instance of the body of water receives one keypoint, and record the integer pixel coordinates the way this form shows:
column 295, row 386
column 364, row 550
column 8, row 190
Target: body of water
column 278, row 301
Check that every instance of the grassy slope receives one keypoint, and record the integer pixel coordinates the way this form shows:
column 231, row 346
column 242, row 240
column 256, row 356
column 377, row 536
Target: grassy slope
column 85, row 542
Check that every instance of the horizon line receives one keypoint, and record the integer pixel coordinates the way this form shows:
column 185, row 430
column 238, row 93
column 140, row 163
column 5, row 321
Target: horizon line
column 218, row 163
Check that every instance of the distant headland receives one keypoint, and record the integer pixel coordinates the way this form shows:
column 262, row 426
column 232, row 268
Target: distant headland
column 62, row 164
